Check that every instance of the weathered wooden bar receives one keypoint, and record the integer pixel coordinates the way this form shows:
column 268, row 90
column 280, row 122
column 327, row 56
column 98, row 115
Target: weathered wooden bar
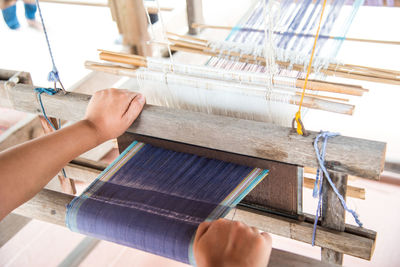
column 50, row 206
column 354, row 156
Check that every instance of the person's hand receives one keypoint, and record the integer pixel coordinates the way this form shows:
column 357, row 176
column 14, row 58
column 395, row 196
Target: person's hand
column 231, row 243
column 110, row 112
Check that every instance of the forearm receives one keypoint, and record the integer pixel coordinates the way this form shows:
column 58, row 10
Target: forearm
column 27, row 168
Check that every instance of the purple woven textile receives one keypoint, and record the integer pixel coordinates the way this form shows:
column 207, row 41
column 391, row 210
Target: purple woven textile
column 153, row 199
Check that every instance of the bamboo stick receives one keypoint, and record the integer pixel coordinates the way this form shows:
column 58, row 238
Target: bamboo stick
column 349, row 68
column 332, row 71
column 218, row 27
column 311, row 85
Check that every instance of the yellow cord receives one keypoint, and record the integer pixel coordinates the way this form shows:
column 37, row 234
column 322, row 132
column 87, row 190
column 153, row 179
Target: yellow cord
column 298, row 113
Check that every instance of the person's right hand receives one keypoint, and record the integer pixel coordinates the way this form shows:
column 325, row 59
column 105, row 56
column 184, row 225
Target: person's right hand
column 230, row 243
column 110, row 112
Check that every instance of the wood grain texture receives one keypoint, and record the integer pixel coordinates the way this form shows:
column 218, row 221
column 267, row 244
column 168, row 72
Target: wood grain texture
column 358, row 157
column 278, row 191
column 333, row 213
column 50, row 206
column 361, row 246
column 280, row 258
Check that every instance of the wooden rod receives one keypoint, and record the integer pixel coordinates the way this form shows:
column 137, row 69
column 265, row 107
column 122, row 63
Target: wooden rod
column 313, row 85
column 363, row 158
column 218, row 27
column 346, row 70
column 250, row 59
column 50, row 206
column 352, row 191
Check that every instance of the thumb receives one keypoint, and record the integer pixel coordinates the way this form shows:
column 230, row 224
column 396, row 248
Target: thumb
column 135, row 107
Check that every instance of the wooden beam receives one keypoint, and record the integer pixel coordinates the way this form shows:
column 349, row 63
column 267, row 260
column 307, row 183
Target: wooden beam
column 50, row 206
column 348, row 242
column 194, row 14
column 358, row 157
column 333, row 213
column 131, row 19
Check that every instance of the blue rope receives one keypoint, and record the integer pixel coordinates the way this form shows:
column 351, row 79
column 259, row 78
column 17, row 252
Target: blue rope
column 49, row 91
column 53, row 75
column 321, row 174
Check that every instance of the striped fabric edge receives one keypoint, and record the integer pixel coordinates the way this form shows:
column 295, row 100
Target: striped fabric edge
column 241, row 190
column 74, row 205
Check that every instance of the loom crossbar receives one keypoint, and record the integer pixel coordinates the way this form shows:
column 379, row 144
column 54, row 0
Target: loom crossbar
column 354, row 156
column 50, row 206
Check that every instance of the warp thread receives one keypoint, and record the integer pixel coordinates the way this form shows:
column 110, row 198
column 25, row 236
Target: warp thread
column 323, row 173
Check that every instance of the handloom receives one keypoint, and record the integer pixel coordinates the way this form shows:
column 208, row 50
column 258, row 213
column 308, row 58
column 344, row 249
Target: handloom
column 153, row 199
column 254, row 141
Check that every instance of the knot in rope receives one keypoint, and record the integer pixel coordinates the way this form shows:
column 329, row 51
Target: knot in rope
column 53, row 75
column 322, row 173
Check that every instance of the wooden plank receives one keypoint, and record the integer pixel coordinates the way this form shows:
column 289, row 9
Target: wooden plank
column 50, row 206
column 280, row 258
column 361, row 246
column 277, row 192
column 333, row 213
column 194, row 10
column 359, row 157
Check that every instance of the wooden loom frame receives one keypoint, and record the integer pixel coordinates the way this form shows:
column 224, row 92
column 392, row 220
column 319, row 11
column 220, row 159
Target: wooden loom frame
column 262, row 141
column 252, row 139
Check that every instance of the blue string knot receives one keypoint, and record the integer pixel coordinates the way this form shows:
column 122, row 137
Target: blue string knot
column 53, row 75
column 49, row 91
column 322, row 173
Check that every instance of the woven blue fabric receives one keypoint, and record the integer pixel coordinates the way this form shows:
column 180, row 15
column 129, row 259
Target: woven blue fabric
column 10, row 17
column 30, row 11
column 154, row 199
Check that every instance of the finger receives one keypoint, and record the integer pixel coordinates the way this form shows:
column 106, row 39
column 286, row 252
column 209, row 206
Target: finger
column 134, row 108
column 201, row 230
column 267, row 237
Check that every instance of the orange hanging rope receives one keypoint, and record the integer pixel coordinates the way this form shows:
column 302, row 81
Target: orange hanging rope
column 300, row 127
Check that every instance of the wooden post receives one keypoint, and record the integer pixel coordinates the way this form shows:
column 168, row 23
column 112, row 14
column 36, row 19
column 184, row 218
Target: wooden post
column 131, row 19
column 194, row 14
column 333, row 213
